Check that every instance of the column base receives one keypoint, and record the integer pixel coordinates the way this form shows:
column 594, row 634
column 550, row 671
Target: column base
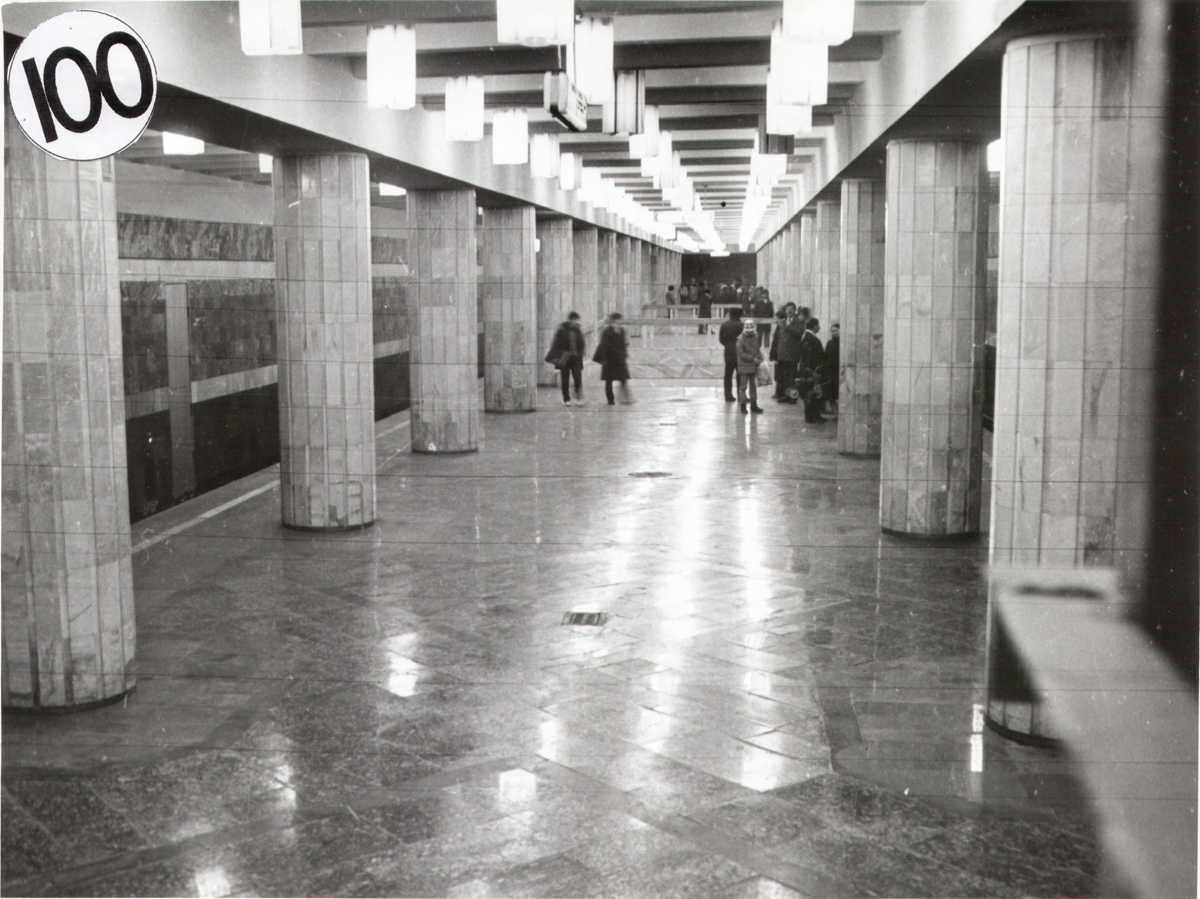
column 860, row 455
column 507, row 412
column 68, row 709
column 333, row 528
column 913, row 535
column 444, row 452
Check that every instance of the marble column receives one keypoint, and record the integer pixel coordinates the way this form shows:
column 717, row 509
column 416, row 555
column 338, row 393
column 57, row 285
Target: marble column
column 646, row 292
column 622, row 274
column 508, row 299
column 935, row 275
column 586, row 274
column 827, row 264
column 555, row 286
column 806, row 251
column 1076, row 318
column 179, row 389
column 444, row 321
column 860, row 402
column 68, row 617
column 324, row 315
column 606, row 275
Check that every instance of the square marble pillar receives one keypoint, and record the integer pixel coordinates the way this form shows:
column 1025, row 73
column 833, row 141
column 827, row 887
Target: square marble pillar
column 806, row 252
column 445, row 335
column 508, row 299
column 935, row 277
column 555, row 286
column 827, row 263
column 623, row 275
column 860, row 403
column 68, row 616
column 586, row 273
column 326, row 355
column 606, row 275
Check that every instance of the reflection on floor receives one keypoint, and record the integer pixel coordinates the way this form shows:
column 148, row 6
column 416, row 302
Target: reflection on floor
column 781, row 701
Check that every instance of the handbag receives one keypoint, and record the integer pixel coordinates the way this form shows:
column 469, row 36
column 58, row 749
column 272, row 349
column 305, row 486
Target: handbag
column 601, row 354
column 625, row 395
column 556, row 359
column 763, row 375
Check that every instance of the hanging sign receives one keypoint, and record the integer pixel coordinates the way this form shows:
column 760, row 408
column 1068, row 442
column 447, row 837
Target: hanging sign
column 83, row 85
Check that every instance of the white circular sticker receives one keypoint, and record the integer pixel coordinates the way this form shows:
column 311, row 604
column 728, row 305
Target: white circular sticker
column 83, row 85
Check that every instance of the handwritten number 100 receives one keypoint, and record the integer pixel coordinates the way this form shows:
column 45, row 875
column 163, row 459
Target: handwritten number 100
column 44, row 85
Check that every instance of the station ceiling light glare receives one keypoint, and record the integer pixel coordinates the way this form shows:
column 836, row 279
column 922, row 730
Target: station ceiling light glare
column 270, row 27
column 392, row 67
column 181, row 145
column 464, row 108
column 510, row 137
column 535, row 23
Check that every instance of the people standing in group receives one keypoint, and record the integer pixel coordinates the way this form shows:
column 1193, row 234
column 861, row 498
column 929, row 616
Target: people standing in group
column 789, row 349
column 780, row 387
column 566, row 354
column 726, row 295
column 812, row 360
column 671, row 298
column 686, row 292
column 704, row 299
column 612, row 352
column 731, row 330
column 762, row 310
column 833, row 368
column 742, row 295
column 749, row 355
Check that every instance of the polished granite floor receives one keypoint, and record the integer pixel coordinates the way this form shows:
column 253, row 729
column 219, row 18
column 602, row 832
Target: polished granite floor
column 781, row 701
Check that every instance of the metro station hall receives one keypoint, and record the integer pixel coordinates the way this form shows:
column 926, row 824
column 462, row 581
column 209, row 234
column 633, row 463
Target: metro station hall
column 602, row 448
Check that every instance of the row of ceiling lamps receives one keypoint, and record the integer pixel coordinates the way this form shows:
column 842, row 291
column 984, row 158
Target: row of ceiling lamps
column 797, row 80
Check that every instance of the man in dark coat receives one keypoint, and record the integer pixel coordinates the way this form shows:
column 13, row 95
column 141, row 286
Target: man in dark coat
column 833, row 366
column 812, row 359
column 612, row 353
column 780, row 387
column 705, row 301
column 731, row 329
column 566, row 354
column 789, row 348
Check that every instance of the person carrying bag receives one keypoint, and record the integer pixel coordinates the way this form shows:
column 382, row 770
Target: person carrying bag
column 566, row 354
column 612, row 352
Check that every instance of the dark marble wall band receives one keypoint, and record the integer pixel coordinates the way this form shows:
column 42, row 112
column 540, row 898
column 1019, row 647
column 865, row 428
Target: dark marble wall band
column 152, row 237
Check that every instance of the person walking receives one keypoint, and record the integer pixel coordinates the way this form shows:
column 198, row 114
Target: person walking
column 612, row 352
column 731, row 330
column 762, row 309
column 566, row 354
column 749, row 355
column 789, row 349
column 812, row 360
column 833, row 368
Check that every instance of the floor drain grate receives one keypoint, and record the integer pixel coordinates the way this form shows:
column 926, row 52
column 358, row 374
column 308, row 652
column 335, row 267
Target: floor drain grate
column 649, row 474
column 585, row 619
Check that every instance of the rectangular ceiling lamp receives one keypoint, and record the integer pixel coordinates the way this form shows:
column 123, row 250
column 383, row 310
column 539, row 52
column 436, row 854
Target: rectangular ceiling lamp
column 270, row 27
column 510, row 137
column 801, row 69
column 392, row 67
column 646, row 143
column 391, row 190
column 782, row 118
column 629, row 103
column 181, row 144
column 543, row 156
column 570, row 171
column 464, row 108
column 829, row 22
column 590, row 59
column 266, row 163
column 535, row 23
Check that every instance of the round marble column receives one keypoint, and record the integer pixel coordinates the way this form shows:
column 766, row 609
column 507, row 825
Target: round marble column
column 445, row 324
column 508, row 298
column 935, row 276
column 1076, row 328
column 555, row 286
column 806, row 251
column 827, row 264
column 586, row 274
column 860, row 402
column 324, row 315
column 645, row 293
column 68, row 617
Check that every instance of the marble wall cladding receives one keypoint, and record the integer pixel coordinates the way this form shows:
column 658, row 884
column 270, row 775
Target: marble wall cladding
column 827, row 264
column 931, row 454
column 390, row 298
column 646, row 292
column 860, row 398
column 325, row 315
column 445, row 328
column 67, row 589
column 622, row 275
column 235, row 434
column 606, row 275
column 143, row 336
column 231, row 325
column 587, row 274
column 555, row 285
column 1076, row 328
column 155, row 237
column 388, row 249
column 508, row 299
